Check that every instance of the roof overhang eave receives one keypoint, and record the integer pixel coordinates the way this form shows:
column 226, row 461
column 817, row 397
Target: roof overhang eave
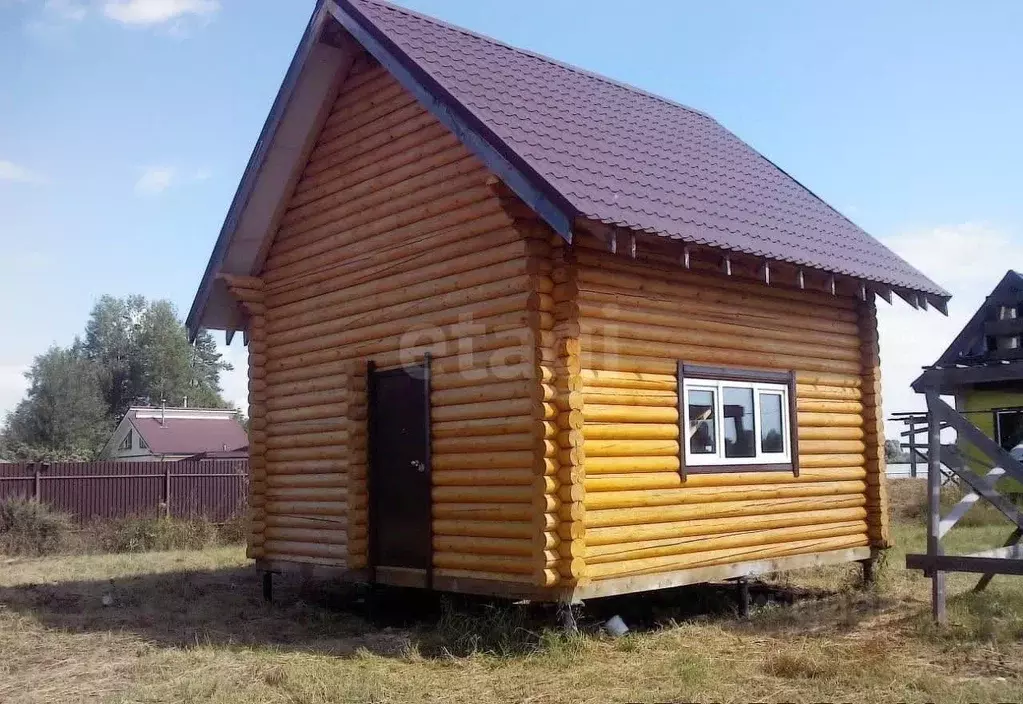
column 919, row 299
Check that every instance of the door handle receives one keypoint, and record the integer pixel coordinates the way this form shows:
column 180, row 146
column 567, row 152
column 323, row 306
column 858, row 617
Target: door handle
column 418, row 466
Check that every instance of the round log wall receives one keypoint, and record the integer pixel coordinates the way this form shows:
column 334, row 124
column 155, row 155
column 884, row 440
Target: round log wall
column 395, row 243
column 635, row 320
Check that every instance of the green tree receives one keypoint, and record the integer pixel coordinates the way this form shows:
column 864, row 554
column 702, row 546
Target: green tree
column 143, row 352
column 63, row 415
column 133, row 352
column 108, row 342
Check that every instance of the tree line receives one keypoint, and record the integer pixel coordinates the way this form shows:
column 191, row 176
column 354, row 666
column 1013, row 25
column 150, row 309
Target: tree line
column 132, row 352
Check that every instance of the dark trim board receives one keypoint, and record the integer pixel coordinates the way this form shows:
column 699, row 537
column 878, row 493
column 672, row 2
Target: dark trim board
column 371, row 518
column 949, row 379
column 427, row 388
column 683, row 431
column 732, row 468
column 994, row 419
column 966, row 563
column 793, row 424
column 764, row 376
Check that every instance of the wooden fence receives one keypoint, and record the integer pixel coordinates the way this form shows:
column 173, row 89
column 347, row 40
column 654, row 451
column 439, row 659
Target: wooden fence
column 212, row 489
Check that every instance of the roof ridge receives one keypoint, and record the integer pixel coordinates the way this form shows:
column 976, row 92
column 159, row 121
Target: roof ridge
column 542, row 57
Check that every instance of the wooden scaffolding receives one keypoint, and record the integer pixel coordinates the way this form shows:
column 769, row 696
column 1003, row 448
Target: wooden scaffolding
column 997, row 463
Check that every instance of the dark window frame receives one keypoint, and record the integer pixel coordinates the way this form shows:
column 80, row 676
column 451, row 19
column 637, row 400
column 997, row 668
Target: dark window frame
column 997, row 427
column 762, row 376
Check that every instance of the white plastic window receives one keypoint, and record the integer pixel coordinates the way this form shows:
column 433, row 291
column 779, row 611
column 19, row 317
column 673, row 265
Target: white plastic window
column 736, row 423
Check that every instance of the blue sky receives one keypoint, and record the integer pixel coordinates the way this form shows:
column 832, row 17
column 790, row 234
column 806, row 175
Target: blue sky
column 125, row 126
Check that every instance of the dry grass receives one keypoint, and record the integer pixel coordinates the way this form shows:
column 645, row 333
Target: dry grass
column 190, row 627
column 28, row 528
column 908, row 499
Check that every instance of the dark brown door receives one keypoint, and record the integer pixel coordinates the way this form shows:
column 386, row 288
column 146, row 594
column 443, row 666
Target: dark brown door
column 400, row 530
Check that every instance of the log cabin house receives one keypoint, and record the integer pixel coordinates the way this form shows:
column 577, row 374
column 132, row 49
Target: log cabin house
column 521, row 330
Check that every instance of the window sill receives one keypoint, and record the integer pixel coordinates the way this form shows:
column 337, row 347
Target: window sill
column 730, row 468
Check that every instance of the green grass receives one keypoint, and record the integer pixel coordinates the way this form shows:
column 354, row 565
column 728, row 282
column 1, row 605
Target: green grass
column 189, row 626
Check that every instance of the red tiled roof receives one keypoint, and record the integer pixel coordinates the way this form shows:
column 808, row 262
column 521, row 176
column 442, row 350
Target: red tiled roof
column 627, row 158
column 189, row 436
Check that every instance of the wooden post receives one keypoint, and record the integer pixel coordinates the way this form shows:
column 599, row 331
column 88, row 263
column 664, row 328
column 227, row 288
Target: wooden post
column 36, row 493
column 566, row 618
column 912, row 448
column 869, row 577
column 166, row 490
column 934, row 505
column 268, row 587
column 743, row 594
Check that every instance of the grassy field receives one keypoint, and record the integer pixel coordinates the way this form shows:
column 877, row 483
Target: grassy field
column 191, row 627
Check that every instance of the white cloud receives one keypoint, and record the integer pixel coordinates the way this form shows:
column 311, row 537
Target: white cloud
column 54, row 19
column 147, row 13
column 13, row 386
column 967, row 260
column 155, row 180
column 235, row 383
column 9, row 171
column 202, row 175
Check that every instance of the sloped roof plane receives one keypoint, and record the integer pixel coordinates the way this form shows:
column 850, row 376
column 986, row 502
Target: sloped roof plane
column 575, row 145
column 986, row 350
column 188, row 436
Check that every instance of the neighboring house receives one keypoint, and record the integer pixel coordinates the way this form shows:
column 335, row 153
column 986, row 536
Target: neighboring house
column 170, row 434
column 518, row 329
column 983, row 370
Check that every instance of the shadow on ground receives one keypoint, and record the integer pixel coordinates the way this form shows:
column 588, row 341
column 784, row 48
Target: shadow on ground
column 225, row 608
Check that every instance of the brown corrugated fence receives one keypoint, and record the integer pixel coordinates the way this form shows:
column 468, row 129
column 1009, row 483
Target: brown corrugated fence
column 211, row 489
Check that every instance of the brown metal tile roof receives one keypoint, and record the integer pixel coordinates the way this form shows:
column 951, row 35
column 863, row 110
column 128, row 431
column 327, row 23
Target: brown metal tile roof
column 189, row 436
column 624, row 157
